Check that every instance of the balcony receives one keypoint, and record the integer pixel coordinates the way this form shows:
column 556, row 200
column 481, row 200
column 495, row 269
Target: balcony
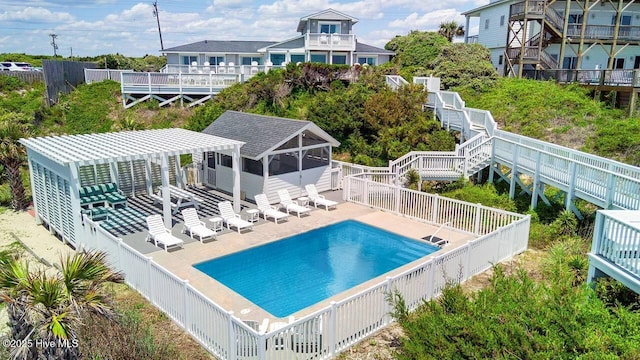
column 473, row 39
column 335, row 42
column 604, row 32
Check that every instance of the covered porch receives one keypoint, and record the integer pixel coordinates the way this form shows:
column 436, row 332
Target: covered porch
column 73, row 175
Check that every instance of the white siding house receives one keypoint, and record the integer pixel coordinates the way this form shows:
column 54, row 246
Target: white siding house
column 324, row 37
column 278, row 154
column 605, row 35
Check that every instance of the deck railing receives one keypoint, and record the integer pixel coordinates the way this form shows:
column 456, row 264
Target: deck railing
column 156, row 82
column 617, row 241
column 395, row 81
column 246, row 70
column 321, row 41
column 334, row 328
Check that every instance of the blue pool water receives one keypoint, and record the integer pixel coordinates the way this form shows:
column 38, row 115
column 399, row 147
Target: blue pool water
column 288, row 275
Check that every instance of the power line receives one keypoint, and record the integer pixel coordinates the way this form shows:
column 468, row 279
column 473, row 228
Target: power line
column 157, row 16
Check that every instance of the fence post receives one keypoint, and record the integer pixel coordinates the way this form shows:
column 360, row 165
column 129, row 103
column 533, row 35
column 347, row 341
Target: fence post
column 398, row 194
column 387, row 307
column 150, row 286
column 476, row 228
column 434, row 213
column 262, row 346
column 232, row 336
column 366, row 192
column 187, row 321
column 149, row 82
column 332, row 328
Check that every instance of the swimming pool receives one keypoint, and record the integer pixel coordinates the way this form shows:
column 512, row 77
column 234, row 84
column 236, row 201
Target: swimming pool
column 291, row 274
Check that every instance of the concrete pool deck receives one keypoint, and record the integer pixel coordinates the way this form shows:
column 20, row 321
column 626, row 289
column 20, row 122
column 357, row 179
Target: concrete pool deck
column 180, row 262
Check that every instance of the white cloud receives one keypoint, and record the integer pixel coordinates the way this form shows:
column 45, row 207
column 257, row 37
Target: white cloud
column 428, row 21
column 36, row 14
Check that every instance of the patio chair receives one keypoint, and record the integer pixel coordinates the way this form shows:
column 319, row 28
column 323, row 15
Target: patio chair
column 269, row 211
column 254, row 67
column 317, row 199
column 222, row 69
column 195, row 227
column 159, row 234
column 323, row 39
column 231, row 218
column 291, row 205
column 232, row 68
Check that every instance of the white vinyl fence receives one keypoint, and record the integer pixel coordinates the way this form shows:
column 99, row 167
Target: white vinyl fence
column 328, row 331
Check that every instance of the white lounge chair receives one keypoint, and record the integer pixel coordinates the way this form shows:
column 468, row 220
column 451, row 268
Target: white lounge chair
column 231, row 218
column 317, row 199
column 195, row 227
column 269, row 211
column 291, row 205
column 159, row 234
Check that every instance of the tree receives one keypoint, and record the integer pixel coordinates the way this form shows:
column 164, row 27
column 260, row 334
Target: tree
column 13, row 155
column 467, row 65
column 418, row 48
column 49, row 308
column 451, row 29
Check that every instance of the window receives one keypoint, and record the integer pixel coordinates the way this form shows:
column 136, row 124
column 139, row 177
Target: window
column 486, row 24
column 625, row 20
column 211, row 160
column 277, row 59
column 252, row 166
column 330, row 28
column 319, row 58
column 500, row 59
column 187, row 60
column 575, row 18
column 216, row 60
column 283, row 163
column 569, row 62
column 226, row 160
column 296, row 58
column 367, row 60
column 339, row 59
column 247, row 60
column 314, row 158
column 502, row 20
column 618, row 63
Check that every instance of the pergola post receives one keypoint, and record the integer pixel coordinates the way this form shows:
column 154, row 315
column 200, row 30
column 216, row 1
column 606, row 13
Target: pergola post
column 235, row 155
column 166, row 192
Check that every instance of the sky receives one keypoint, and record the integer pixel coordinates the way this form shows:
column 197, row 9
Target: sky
column 95, row 27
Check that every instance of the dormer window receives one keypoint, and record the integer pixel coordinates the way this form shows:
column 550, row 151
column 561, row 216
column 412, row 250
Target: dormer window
column 329, row 27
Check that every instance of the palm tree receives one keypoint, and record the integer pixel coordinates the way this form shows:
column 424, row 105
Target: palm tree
column 451, row 29
column 49, row 308
column 12, row 157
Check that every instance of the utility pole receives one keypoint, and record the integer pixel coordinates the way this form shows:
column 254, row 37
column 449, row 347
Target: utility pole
column 71, row 48
column 53, row 43
column 157, row 16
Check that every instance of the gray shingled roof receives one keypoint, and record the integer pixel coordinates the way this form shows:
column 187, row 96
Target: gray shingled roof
column 364, row 48
column 294, row 43
column 259, row 132
column 231, row 46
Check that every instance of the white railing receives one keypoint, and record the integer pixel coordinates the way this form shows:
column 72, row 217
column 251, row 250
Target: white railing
column 157, row 82
column 334, row 328
column 212, row 326
column 395, row 81
column 97, row 75
column 321, row 41
column 617, row 240
column 246, row 70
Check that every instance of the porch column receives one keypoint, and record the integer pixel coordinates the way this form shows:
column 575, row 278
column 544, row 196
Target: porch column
column 265, row 174
column 166, row 194
column 236, row 178
column 466, row 29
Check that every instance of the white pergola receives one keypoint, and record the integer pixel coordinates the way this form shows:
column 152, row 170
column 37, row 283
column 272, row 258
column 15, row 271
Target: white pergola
column 56, row 153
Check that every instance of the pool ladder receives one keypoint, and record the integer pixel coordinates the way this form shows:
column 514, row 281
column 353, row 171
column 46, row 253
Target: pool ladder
column 442, row 242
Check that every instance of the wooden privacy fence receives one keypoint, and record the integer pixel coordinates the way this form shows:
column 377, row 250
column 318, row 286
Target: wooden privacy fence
column 97, row 75
column 29, row 77
column 63, row 77
column 330, row 330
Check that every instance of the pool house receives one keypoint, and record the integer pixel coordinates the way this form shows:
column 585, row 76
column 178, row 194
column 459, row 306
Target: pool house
column 279, row 153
